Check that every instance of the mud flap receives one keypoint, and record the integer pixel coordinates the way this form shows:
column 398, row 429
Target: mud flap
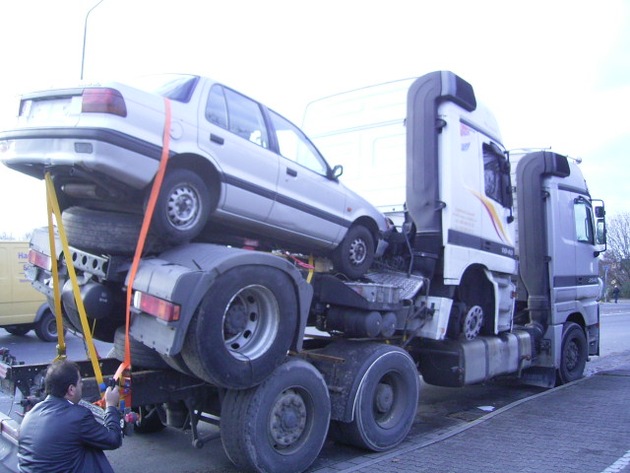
column 539, row 376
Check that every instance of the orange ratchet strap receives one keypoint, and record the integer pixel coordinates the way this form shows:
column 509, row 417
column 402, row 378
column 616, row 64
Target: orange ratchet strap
column 146, row 222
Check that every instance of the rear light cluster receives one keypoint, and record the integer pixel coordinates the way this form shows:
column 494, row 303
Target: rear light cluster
column 39, row 259
column 102, row 100
column 160, row 308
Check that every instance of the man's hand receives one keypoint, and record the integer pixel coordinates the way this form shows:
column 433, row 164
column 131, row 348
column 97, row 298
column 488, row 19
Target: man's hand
column 112, row 396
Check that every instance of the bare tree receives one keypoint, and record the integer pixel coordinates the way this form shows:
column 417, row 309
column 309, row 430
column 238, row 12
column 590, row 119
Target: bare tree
column 617, row 257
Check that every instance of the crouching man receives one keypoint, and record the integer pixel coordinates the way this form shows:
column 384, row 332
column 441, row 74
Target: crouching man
column 59, row 435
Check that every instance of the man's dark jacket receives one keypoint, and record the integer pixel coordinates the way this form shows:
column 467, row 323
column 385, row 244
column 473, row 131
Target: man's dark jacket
column 58, row 436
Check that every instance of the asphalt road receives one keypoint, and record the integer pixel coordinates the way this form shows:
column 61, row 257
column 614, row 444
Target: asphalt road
column 439, row 410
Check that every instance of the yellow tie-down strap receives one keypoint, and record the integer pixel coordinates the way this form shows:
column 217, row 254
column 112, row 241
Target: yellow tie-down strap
column 53, row 208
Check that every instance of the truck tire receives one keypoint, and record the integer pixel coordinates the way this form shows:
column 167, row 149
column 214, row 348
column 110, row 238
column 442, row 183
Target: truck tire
column 355, row 254
column 46, row 327
column 243, row 327
column 141, row 355
column 182, row 208
column 386, row 400
column 102, row 231
column 574, row 354
column 280, row 425
column 18, row 330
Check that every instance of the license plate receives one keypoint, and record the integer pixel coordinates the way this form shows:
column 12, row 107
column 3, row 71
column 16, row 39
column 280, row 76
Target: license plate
column 52, row 112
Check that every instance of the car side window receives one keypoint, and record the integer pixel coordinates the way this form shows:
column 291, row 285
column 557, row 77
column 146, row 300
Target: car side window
column 216, row 109
column 245, row 118
column 294, row 145
column 238, row 114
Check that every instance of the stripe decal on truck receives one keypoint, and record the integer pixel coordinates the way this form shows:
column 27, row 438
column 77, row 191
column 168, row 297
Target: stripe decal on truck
column 477, row 243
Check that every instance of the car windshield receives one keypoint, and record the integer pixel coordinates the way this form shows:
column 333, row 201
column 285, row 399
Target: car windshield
column 177, row 87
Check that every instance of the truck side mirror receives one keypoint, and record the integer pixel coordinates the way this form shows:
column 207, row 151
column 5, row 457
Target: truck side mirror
column 600, row 223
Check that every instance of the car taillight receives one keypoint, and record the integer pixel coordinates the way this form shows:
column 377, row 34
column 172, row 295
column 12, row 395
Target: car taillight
column 39, row 259
column 103, row 101
column 156, row 307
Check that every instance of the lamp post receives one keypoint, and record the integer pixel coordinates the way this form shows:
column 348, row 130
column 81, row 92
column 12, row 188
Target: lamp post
column 85, row 35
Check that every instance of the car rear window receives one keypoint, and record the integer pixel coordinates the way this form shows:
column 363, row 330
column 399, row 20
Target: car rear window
column 176, row 87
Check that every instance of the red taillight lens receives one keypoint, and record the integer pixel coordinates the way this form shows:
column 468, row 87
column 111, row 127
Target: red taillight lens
column 39, row 259
column 103, row 101
column 156, row 307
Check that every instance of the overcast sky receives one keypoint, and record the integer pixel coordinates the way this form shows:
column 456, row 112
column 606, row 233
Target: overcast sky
column 555, row 73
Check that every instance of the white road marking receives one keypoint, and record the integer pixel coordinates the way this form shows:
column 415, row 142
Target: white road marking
column 619, row 465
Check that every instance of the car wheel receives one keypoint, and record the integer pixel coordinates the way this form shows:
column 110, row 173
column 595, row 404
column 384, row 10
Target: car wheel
column 243, row 327
column 354, row 256
column 106, row 232
column 182, row 207
column 19, row 330
column 141, row 355
column 46, row 327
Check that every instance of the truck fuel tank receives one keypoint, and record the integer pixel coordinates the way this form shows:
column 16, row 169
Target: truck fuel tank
column 455, row 363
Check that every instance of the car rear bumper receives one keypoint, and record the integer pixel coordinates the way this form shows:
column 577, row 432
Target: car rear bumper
column 122, row 157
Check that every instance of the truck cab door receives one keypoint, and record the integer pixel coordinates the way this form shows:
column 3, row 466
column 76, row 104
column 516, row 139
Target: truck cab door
column 574, row 250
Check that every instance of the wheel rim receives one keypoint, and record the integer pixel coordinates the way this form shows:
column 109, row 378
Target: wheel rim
column 250, row 322
column 387, row 407
column 473, row 321
column 358, row 251
column 51, row 327
column 571, row 355
column 184, row 207
column 289, row 420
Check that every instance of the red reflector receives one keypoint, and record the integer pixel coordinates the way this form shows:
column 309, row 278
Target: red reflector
column 156, row 307
column 39, row 259
column 103, row 101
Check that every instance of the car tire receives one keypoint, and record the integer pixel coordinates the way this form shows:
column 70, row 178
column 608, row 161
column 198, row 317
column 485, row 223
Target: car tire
column 355, row 254
column 243, row 327
column 182, row 208
column 18, row 330
column 106, row 232
column 46, row 327
column 141, row 355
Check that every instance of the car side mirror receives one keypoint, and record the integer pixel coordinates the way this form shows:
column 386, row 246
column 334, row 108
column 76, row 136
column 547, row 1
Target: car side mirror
column 337, row 171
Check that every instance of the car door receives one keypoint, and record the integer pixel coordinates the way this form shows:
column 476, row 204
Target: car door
column 233, row 131
column 309, row 201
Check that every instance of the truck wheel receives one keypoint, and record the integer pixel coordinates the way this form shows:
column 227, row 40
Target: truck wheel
column 280, row 425
column 141, row 355
column 355, row 254
column 183, row 206
column 106, row 232
column 243, row 327
column 574, row 354
column 19, row 330
column 46, row 327
column 385, row 401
